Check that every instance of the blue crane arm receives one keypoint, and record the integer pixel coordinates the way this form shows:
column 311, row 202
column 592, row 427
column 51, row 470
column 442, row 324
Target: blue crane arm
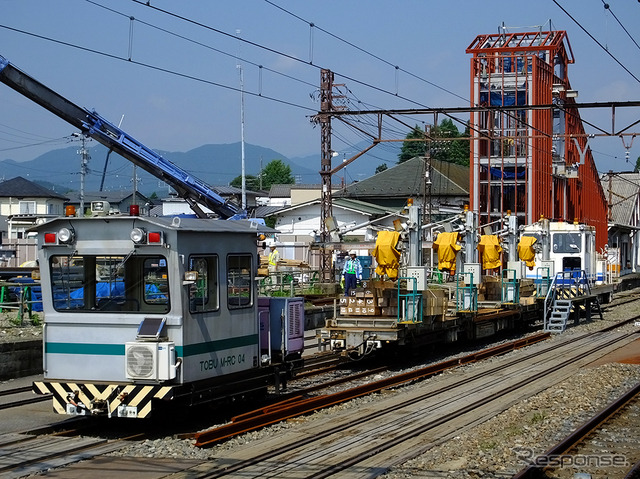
column 193, row 190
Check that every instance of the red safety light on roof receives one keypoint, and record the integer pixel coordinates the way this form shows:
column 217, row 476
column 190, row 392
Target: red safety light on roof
column 154, row 237
column 50, row 238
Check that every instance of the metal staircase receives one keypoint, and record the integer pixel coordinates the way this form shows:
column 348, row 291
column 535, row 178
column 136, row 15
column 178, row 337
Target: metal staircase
column 565, row 289
column 560, row 312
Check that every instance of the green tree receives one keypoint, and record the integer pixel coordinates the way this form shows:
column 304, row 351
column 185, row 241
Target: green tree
column 454, row 151
column 380, row 168
column 637, row 168
column 251, row 182
column 411, row 149
column 276, row 173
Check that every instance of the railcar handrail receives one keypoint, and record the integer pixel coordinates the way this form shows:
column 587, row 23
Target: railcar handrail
column 566, row 281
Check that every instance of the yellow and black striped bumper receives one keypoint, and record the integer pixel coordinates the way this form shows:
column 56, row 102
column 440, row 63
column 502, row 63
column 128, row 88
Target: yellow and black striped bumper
column 113, row 400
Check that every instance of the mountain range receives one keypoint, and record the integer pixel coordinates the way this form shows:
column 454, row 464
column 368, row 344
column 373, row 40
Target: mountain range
column 214, row 164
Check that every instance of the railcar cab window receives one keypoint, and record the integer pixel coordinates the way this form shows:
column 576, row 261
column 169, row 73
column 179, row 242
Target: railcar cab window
column 567, row 243
column 110, row 283
column 239, row 281
column 203, row 294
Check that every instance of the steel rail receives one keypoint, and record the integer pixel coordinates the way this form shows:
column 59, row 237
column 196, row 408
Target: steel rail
column 336, row 468
column 21, row 402
column 9, row 392
column 24, row 402
column 634, row 472
column 578, row 435
column 301, row 404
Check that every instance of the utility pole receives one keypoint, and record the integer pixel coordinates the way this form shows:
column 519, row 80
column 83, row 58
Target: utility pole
column 84, row 161
column 135, row 186
column 260, row 177
column 244, row 184
column 326, row 105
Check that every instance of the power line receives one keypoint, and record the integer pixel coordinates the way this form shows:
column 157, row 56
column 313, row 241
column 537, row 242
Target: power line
column 195, row 42
column 608, row 7
column 31, row 145
column 276, row 52
column 597, row 42
column 398, row 68
column 154, row 67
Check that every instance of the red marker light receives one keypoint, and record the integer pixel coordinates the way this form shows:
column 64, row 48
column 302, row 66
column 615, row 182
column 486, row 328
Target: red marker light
column 50, row 238
column 154, row 237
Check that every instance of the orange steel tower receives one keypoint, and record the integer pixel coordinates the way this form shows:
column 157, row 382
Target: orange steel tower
column 529, row 150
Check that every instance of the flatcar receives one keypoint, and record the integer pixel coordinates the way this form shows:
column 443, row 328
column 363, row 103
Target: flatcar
column 143, row 310
column 416, row 310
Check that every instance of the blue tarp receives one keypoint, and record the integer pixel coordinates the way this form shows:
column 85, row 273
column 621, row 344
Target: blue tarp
column 104, row 290
column 36, row 291
column 508, row 175
column 504, row 98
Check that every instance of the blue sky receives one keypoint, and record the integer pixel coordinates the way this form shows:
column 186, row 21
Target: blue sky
column 169, row 111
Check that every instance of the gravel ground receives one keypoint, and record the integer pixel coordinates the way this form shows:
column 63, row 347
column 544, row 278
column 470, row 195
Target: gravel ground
column 12, row 329
column 490, row 450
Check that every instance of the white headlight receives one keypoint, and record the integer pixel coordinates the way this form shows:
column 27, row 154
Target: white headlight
column 65, row 235
column 190, row 275
column 138, row 235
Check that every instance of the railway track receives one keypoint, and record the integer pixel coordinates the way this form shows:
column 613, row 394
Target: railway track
column 390, row 430
column 21, row 396
column 22, row 454
column 302, row 401
column 339, row 437
column 595, row 446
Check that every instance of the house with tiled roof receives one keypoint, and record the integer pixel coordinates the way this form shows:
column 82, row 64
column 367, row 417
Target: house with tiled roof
column 356, row 224
column 301, row 222
column 290, row 194
column 365, row 207
column 622, row 191
column 22, row 202
column 446, row 186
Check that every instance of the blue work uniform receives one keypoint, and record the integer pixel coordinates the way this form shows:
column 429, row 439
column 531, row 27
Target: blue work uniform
column 352, row 273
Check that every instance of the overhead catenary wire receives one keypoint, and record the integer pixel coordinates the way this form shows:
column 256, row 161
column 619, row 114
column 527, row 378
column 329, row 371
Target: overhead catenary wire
column 277, row 52
column 397, row 68
column 155, row 67
column 386, row 129
column 608, row 8
column 606, row 50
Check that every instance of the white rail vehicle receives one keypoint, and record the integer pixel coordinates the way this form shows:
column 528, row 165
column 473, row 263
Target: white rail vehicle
column 570, row 246
column 142, row 309
column 139, row 309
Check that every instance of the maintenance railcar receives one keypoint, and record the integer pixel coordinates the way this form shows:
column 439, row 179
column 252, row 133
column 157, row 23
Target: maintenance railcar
column 141, row 309
column 566, row 281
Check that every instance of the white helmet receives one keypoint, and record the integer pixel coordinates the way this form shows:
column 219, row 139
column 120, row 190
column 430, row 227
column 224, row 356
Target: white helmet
column 353, row 253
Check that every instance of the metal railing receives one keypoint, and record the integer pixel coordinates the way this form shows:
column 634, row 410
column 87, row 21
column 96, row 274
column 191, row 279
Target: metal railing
column 565, row 285
column 466, row 293
column 289, row 283
column 18, row 297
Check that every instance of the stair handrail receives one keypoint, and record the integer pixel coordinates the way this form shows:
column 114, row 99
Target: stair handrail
column 581, row 283
column 549, row 299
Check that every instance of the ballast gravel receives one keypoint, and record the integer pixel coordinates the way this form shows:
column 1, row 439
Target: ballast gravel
column 495, row 449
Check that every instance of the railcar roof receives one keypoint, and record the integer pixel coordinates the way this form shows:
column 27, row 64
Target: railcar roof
column 171, row 223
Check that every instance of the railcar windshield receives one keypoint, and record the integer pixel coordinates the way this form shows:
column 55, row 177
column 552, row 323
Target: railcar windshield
column 128, row 283
column 567, row 243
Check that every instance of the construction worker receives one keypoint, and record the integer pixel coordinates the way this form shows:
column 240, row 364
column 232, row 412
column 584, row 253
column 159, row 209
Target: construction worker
column 352, row 272
column 274, row 257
